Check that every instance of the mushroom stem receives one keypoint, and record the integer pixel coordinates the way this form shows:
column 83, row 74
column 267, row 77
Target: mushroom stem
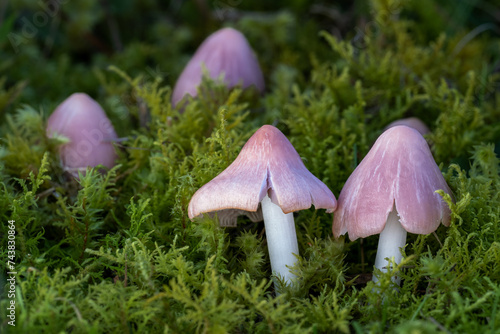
column 392, row 238
column 281, row 239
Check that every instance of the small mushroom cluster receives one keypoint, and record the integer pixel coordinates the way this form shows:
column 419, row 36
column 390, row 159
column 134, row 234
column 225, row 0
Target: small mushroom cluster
column 391, row 192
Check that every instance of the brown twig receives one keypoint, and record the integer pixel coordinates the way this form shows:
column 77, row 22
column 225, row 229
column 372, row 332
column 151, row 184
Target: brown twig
column 45, row 193
column 435, row 235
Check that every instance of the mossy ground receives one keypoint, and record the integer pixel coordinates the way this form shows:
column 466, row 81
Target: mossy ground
column 116, row 252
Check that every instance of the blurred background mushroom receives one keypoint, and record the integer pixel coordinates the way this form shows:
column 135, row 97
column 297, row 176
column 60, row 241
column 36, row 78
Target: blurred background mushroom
column 392, row 192
column 89, row 133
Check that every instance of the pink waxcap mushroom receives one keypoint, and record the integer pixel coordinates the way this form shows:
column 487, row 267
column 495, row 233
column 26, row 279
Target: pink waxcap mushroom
column 82, row 120
column 267, row 164
column 412, row 122
column 226, row 52
column 398, row 171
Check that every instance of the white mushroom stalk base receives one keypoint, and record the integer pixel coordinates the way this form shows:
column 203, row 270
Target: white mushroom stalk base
column 281, row 239
column 392, row 238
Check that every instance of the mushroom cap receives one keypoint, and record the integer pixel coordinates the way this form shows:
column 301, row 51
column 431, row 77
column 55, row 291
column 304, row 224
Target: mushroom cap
column 412, row 122
column 267, row 164
column 399, row 171
column 82, row 120
column 226, row 52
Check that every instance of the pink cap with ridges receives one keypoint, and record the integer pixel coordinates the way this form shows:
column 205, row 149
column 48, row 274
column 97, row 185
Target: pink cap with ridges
column 399, row 170
column 267, row 164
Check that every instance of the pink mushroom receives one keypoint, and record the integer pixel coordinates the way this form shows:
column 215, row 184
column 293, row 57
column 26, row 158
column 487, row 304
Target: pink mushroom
column 412, row 122
column 82, row 120
column 268, row 171
column 392, row 192
column 226, row 52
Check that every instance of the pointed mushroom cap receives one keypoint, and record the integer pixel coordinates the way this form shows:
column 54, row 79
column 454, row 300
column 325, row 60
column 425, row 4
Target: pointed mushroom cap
column 267, row 164
column 82, row 120
column 399, row 170
column 412, row 122
column 226, row 52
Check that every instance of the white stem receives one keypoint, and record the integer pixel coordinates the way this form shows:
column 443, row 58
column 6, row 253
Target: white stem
column 392, row 238
column 281, row 239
